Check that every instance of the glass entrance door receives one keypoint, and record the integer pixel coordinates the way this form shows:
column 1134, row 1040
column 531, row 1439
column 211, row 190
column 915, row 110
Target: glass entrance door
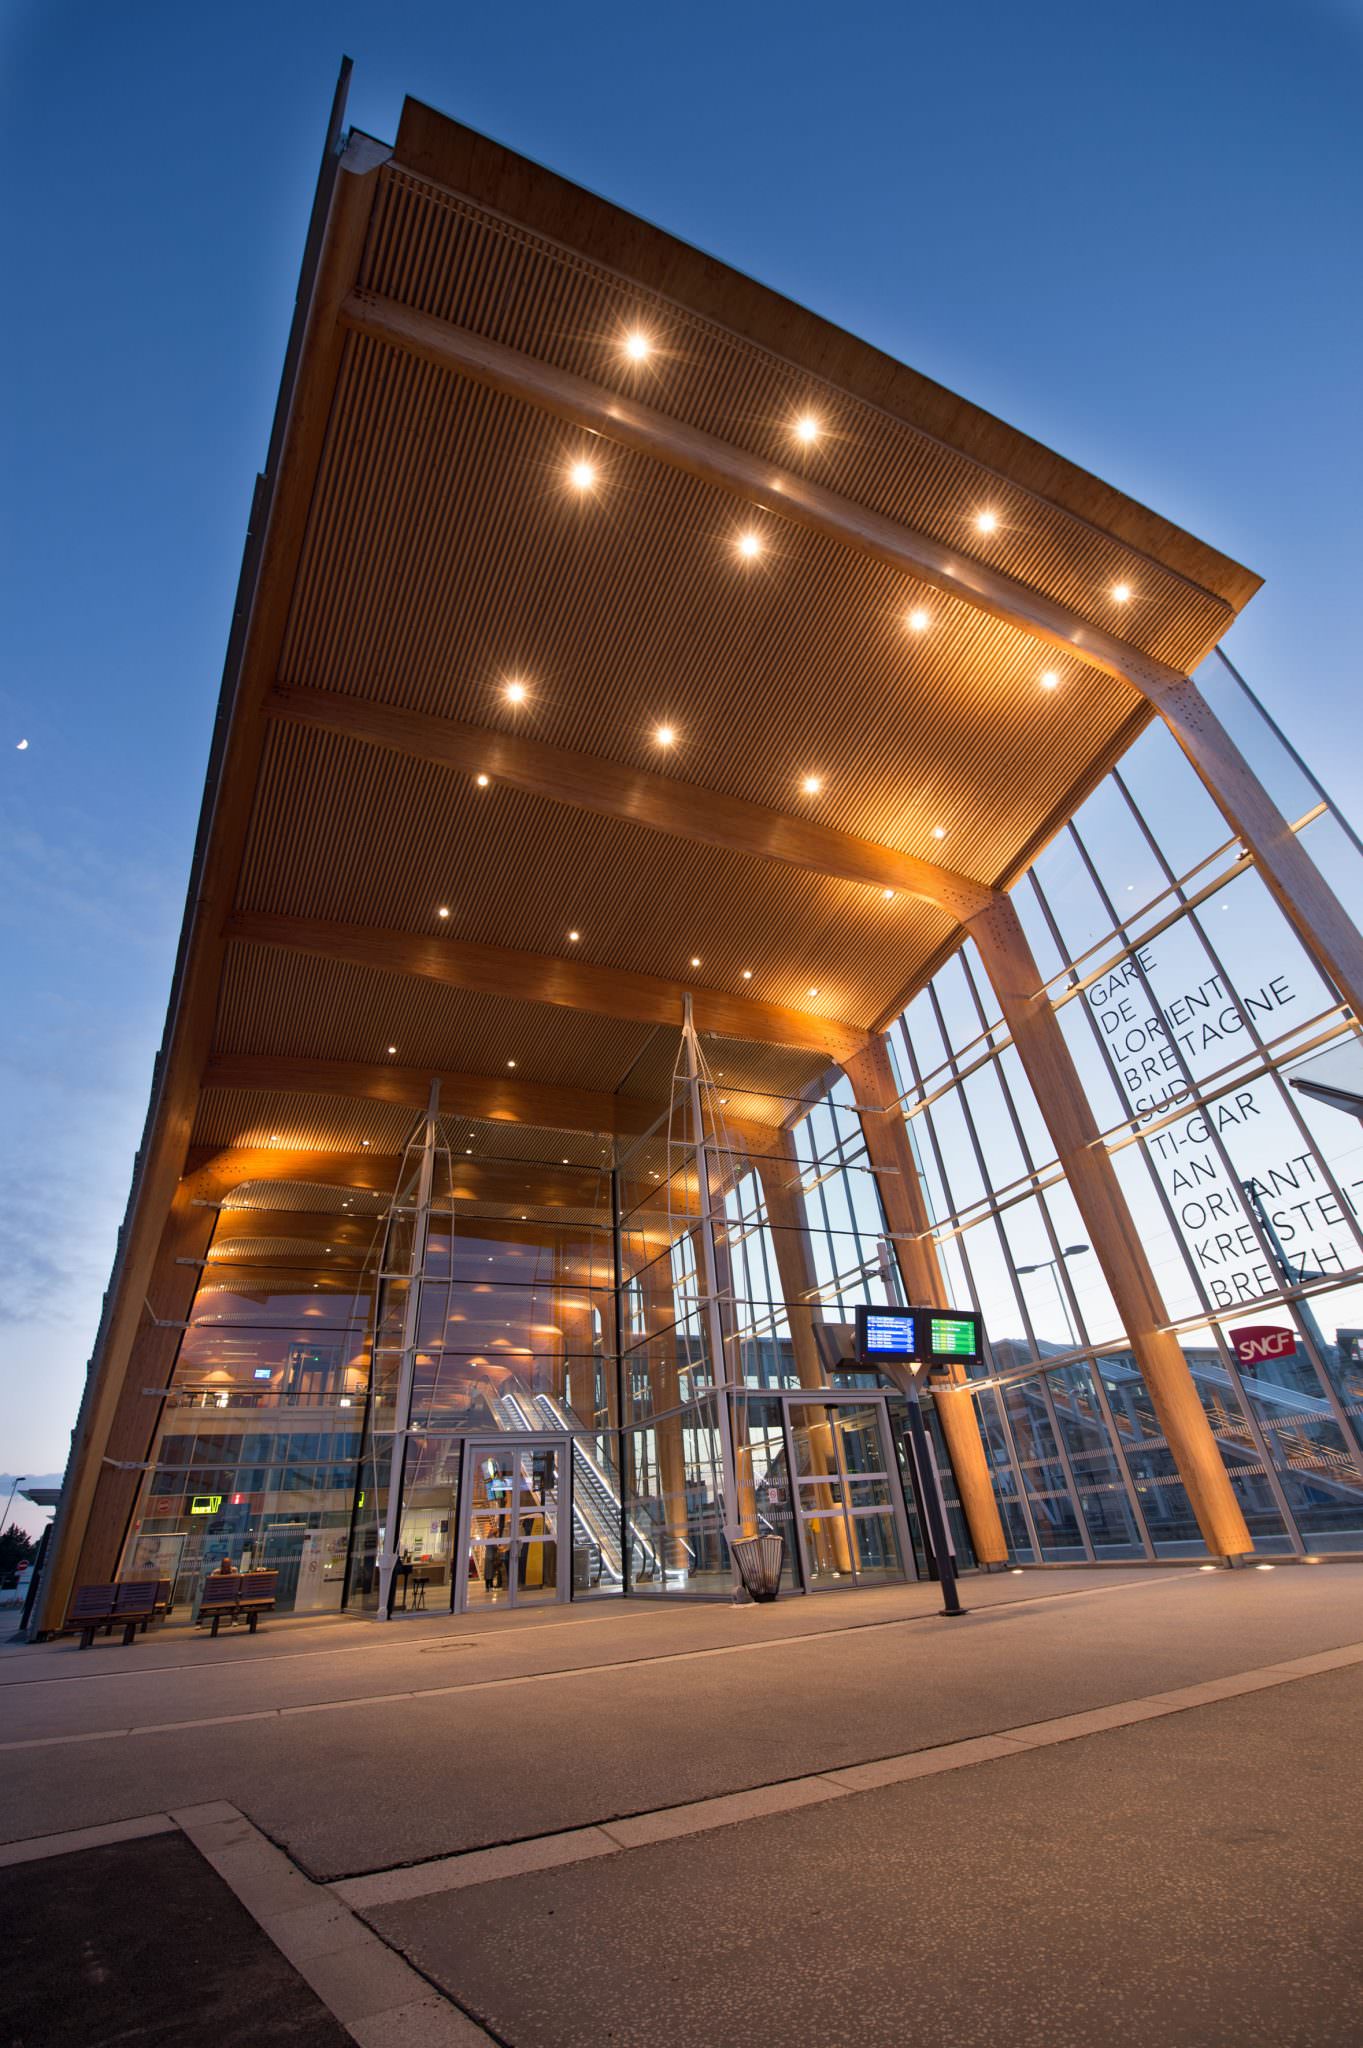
column 515, row 1498
column 849, row 1512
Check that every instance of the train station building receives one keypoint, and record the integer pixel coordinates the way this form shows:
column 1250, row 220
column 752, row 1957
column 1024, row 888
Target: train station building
column 707, row 829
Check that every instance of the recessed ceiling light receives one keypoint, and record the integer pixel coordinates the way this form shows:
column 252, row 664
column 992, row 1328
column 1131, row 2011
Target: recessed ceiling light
column 665, row 735
column 515, row 691
column 481, row 781
column 987, row 521
column 637, row 345
column 364, row 1144
column 392, row 1048
column 1050, row 680
column 939, row 831
column 811, row 785
column 888, row 894
column 806, row 428
column 695, row 960
column 917, row 620
column 1121, row 593
column 511, row 1063
column 747, row 974
column 813, row 991
column 749, row 545
column 274, row 1137
column 468, row 1151
column 443, row 910
column 574, row 935
column 582, row 476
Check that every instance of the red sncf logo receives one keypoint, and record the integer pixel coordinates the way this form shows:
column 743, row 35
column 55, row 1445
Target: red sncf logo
column 1259, row 1341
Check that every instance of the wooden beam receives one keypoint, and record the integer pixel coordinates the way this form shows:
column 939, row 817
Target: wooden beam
column 1092, row 1179
column 278, row 520
column 587, row 782
column 538, row 978
column 485, row 1097
column 781, row 492
column 906, row 1210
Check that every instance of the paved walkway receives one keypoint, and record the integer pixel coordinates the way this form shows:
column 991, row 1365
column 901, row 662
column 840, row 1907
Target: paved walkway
column 836, row 1818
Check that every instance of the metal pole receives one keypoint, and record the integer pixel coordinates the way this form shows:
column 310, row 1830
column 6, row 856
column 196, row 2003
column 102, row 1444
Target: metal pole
column 710, row 1278
column 930, row 1505
column 411, row 1325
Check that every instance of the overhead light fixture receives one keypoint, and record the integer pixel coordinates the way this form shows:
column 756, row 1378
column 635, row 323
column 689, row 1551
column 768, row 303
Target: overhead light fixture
column 582, row 475
column 747, row 974
column 481, row 780
column 939, row 831
column 888, row 894
column 811, row 785
column 515, row 691
column 917, row 620
column 1050, row 680
column 443, row 911
column 665, row 735
column 1121, row 593
column 987, row 521
column 364, row 1144
column 813, row 991
column 749, row 546
column 392, row 1048
column 574, row 936
column 637, row 345
column 806, row 428
column 511, row 1063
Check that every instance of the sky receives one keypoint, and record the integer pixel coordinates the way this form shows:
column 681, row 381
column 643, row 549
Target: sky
column 1132, row 232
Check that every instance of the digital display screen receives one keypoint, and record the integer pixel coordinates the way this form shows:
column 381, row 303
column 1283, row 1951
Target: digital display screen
column 262, row 1372
column 954, row 1336
column 888, row 1333
column 922, row 1336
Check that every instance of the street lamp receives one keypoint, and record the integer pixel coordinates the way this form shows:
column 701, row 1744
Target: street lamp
column 19, row 1479
column 1069, row 1251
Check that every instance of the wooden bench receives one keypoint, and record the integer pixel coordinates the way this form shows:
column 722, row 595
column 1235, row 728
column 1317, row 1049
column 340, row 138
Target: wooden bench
column 218, row 1598
column 135, row 1600
column 257, row 1596
column 233, row 1596
column 94, row 1610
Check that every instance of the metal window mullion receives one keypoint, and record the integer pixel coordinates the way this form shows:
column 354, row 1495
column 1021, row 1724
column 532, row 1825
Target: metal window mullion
column 1019, row 1477
column 1057, row 1435
column 1270, row 1066
column 1249, row 1211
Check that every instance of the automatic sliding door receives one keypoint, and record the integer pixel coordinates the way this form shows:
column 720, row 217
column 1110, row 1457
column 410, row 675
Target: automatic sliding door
column 514, row 1520
column 849, row 1522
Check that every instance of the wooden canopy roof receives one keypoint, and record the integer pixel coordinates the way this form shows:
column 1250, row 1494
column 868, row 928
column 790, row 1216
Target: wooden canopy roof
column 513, row 894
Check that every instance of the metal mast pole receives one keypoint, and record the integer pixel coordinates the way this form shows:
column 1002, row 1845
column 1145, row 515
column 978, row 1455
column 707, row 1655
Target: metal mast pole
column 411, row 1325
column 714, row 1321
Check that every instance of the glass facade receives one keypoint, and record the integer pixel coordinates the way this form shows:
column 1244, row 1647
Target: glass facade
column 1190, row 1008
column 598, row 1360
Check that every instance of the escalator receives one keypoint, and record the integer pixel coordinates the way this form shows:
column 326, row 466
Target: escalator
column 596, row 1504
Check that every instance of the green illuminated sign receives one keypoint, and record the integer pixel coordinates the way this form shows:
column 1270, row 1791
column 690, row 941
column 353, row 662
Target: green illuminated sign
column 205, row 1504
column 954, row 1337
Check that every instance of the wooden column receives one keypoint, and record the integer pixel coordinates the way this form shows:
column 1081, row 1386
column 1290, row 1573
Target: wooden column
column 779, row 1176
column 906, row 1211
column 1060, row 1097
column 1292, row 878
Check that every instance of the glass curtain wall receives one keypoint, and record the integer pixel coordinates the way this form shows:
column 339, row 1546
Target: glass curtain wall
column 1190, row 1009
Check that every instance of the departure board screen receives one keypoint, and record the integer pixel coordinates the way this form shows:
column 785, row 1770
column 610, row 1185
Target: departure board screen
column 888, row 1333
column 954, row 1336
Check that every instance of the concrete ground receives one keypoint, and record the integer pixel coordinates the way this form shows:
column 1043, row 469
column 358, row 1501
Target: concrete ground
column 1106, row 1806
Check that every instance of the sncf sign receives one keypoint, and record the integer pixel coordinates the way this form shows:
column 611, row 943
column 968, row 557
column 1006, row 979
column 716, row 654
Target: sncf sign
column 1260, row 1341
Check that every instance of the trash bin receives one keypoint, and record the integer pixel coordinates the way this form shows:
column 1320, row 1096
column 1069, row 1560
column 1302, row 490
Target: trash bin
column 759, row 1560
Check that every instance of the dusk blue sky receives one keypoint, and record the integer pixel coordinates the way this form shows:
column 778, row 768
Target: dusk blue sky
column 1133, row 232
